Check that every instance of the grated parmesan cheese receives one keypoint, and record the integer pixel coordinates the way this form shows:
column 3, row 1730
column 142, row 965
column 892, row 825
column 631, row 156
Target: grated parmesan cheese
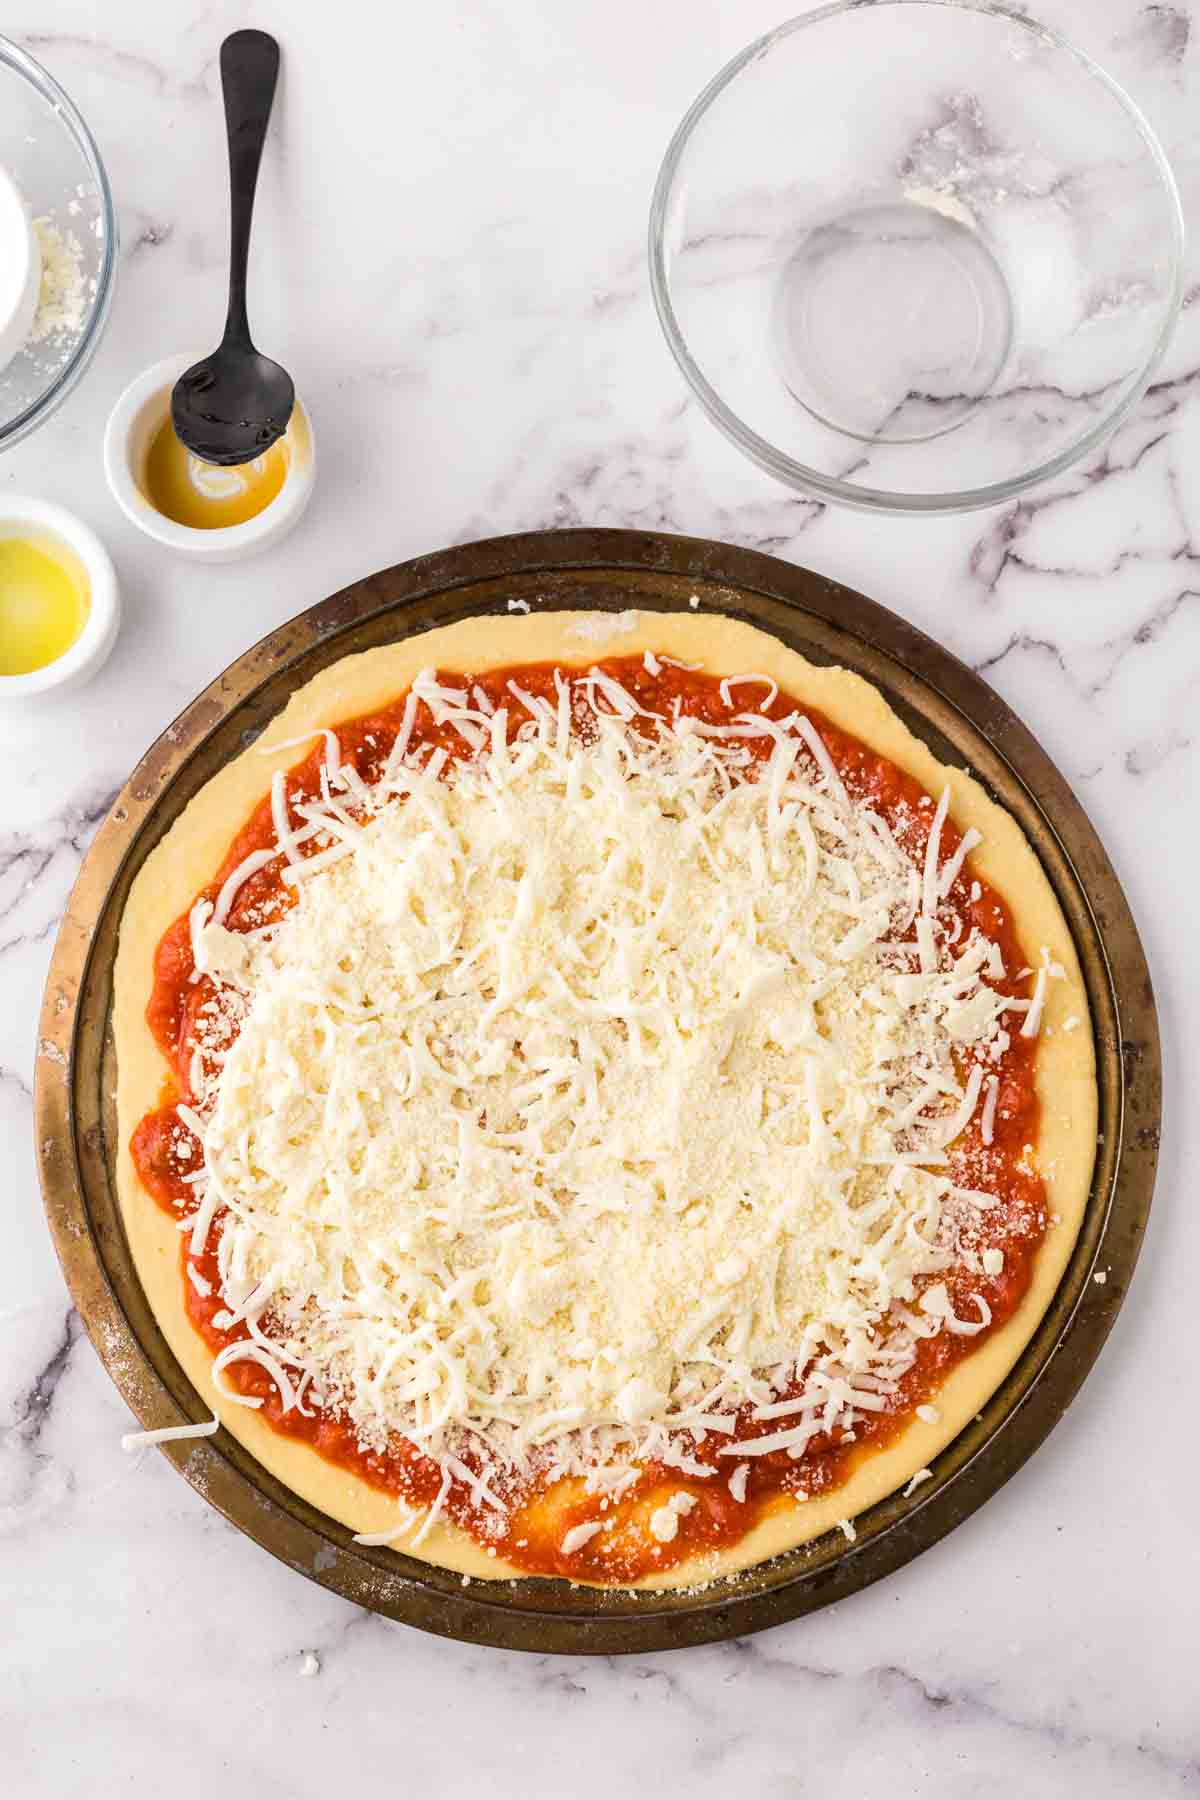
column 65, row 295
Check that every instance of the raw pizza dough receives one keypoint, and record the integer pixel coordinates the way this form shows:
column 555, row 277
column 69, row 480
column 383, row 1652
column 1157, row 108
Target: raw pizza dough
column 188, row 856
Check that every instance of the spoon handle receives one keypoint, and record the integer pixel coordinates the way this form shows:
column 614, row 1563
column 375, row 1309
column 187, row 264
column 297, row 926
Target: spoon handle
column 249, row 68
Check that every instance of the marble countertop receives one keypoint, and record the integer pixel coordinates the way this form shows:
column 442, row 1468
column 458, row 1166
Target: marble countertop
column 450, row 257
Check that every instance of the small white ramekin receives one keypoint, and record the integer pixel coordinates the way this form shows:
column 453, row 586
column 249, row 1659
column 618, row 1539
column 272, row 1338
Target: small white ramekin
column 131, row 427
column 21, row 516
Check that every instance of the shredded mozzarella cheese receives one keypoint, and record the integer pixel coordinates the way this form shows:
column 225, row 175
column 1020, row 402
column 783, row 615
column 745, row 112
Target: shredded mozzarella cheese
column 588, row 1095
column 169, row 1434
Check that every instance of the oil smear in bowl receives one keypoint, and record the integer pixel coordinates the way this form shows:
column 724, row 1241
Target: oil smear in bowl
column 202, row 495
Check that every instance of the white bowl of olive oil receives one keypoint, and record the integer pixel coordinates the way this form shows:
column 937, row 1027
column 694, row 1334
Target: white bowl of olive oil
column 59, row 603
column 201, row 511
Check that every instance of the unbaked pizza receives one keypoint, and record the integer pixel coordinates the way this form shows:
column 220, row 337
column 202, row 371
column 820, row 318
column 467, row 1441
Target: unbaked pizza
column 597, row 1098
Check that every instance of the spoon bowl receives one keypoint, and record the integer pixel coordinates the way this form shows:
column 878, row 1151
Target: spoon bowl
column 231, row 406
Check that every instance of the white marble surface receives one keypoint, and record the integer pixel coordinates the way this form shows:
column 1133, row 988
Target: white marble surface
column 450, row 257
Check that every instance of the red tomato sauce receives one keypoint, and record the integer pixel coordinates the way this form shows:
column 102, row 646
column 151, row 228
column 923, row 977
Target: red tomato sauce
column 165, row 1152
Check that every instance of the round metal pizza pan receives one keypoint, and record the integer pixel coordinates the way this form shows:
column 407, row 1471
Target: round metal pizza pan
column 961, row 719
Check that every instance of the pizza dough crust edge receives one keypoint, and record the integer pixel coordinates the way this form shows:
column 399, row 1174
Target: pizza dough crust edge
column 186, row 858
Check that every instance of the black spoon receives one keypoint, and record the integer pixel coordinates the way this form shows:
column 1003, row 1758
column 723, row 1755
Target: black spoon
column 233, row 405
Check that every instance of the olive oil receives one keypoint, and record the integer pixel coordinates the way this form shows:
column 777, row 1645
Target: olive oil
column 204, row 496
column 44, row 602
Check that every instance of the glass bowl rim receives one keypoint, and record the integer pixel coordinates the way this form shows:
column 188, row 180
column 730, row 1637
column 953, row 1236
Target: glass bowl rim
column 51, row 398
column 800, row 475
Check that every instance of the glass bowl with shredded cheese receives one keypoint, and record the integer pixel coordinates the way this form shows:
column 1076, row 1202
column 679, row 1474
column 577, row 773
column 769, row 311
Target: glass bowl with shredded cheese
column 51, row 159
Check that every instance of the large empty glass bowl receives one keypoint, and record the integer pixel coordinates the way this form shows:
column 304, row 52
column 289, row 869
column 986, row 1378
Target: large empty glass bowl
column 51, row 156
column 915, row 255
